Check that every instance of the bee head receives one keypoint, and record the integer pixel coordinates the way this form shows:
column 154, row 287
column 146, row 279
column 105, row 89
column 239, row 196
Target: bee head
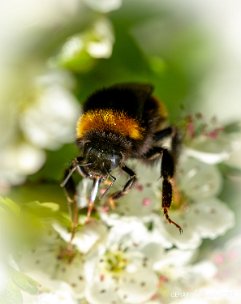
column 101, row 160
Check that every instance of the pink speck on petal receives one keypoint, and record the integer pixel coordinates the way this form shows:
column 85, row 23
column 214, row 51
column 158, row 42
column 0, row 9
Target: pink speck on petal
column 105, row 209
column 154, row 297
column 146, row 202
column 139, row 187
column 219, row 259
column 214, row 133
column 102, row 191
column 163, row 279
column 102, row 277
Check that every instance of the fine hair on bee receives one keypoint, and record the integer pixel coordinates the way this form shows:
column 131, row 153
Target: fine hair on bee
column 122, row 122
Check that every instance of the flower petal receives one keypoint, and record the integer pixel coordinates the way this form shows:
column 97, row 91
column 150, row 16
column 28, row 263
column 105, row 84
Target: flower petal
column 211, row 150
column 138, row 287
column 208, row 158
column 62, row 295
column 50, row 121
column 73, row 274
column 87, row 237
column 198, row 180
column 189, row 239
column 211, row 217
column 102, row 291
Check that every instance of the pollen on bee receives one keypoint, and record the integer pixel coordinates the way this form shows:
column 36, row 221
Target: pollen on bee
column 109, row 120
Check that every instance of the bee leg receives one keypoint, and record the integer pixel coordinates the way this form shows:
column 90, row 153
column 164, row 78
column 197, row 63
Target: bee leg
column 176, row 139
column 176, row 144
column 129, row 184
column 113, row 179
column 167, row 173
column 94, row 192
column 71, row 193
column 164, row 133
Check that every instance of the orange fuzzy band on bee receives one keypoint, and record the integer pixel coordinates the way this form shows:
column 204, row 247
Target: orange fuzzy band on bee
column 108, row 120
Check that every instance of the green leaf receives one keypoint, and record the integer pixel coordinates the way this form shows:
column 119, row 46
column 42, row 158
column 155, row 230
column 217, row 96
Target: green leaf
column 24, row 282
column 230, row 170
column 44, row 210
column 52, row 206
column 233, row 127
column 9, row 205
column 47, row 211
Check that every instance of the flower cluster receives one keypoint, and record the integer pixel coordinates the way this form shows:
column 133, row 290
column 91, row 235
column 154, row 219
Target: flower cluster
column 131, row 254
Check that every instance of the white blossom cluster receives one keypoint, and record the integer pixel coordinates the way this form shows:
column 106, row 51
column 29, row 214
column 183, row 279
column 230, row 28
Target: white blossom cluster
column 131, row 255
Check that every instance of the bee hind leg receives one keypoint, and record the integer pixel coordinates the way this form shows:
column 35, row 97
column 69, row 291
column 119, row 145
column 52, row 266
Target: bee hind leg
column 167, row 173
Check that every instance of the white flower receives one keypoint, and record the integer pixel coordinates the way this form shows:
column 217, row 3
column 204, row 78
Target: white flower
column 104, row 5
column 146, row 229
column 126, row 268
column 175, row 258
column 17, row 161
column 208, row 157
column 198, row 180
column 200, row 214
column 228, row 261
column 207, row 218
column 101, row 45
column 88, row 236
column 195, row 207
column 211, row 293
column 49, row 121
column 52, row 260
column 223, row 284
column 142, row 199
column 120, row 272
column 209, row 150
column 80, row 51
column 179, row 281
column 208, row 141
column 61, row 293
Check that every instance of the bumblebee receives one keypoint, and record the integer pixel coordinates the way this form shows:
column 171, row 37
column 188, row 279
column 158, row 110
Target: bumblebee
column 122, row 122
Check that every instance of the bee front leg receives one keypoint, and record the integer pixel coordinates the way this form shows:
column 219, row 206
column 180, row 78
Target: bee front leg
column 94, row 192
column 71, row 193
column 128, row 185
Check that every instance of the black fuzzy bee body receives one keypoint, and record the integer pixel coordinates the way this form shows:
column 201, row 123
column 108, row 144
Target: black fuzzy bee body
column 118, row 123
